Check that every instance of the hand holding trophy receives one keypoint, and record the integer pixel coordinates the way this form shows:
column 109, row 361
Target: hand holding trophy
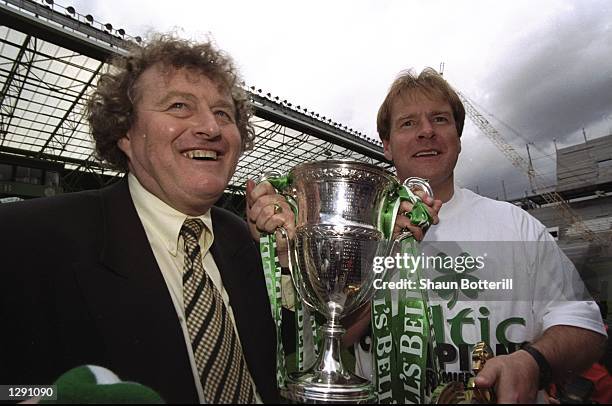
column 344, row 219
column 456, row 392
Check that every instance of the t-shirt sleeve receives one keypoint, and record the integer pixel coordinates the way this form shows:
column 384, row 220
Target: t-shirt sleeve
column 583, row 314
column 561, row 297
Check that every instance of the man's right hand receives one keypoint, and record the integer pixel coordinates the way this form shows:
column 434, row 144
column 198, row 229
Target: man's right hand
column 402, row 222
column 267, row 211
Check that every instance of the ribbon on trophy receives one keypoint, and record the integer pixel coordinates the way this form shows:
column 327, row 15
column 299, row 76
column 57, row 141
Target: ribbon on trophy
column 273, row 275
column 300, row 315
column 272, row 272
column 404, row 344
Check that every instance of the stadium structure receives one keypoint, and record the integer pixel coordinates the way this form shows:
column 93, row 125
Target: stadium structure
column 52, row 57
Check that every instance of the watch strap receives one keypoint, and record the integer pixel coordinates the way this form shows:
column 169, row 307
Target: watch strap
column 545, row 375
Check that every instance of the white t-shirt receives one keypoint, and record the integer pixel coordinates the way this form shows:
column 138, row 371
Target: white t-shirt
column 546, row 284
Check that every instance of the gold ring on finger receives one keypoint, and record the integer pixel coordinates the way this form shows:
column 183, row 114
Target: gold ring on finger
column 277, row 208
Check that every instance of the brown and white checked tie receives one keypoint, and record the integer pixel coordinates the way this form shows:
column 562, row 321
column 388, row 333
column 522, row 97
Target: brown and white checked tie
column 218, row 354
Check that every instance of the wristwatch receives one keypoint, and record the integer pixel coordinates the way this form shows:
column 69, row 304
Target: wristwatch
column 545, row 377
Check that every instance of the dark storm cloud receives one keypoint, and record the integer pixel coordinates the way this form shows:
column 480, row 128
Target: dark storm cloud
column 552, row 82
column 560, row 78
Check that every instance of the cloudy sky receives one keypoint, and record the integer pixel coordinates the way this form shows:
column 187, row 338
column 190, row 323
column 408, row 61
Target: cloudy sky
column 538, row 71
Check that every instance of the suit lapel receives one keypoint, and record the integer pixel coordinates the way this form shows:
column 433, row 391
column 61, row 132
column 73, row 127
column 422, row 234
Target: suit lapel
column 132, row 305
column 125, row 248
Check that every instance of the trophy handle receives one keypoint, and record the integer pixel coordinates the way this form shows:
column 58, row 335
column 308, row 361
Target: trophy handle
column 296, row 277
column 418, row 215
column 403, row 236
column 267, row 175
column 408, row 185
column 419, row 183
column 281, row 183
column 277, row 179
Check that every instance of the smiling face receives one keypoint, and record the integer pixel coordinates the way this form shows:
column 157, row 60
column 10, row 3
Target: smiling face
column 184, row 144
column 423, row 141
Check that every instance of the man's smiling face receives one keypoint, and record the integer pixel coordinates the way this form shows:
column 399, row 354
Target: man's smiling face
column 184, row 144
column 423, row 140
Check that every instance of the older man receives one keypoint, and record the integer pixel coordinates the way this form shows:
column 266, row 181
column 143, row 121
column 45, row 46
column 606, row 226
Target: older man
column 420, row 123
column 146, row 277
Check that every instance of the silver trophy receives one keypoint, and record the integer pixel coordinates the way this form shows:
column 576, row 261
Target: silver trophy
column 342, row 207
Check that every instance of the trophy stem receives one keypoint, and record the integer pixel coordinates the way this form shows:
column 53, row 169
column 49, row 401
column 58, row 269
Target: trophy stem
column 329, row 362
column 328, row 380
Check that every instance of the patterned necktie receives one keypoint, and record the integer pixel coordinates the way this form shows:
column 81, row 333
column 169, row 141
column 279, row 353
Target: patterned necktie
column 218, row 355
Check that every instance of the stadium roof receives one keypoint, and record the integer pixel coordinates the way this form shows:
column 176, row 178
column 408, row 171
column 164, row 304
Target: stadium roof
column 50, row 60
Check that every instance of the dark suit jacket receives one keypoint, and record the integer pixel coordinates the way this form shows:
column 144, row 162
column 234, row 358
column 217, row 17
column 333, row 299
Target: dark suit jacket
column 79, row 285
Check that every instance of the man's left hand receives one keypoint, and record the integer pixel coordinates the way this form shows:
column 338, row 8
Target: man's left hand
column 514, row 377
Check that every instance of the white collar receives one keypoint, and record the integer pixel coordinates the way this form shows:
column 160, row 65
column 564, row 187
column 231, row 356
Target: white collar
column 164, row 219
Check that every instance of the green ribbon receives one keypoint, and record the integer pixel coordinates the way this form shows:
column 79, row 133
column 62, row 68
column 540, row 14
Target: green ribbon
column 280, row 183
column 272, row 273
column 383, row 346
column 401, row 343
column 317, row 337
column 418, row 215
column 411, row 330
column 299, row 333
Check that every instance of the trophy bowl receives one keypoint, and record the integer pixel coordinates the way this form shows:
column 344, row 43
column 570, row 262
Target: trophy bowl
column 340, row 207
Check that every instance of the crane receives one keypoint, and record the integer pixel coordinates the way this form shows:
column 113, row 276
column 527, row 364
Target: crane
column 519, row 162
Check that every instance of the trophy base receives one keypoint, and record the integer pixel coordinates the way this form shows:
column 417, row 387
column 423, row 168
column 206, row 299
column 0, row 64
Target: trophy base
column 309, row 389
